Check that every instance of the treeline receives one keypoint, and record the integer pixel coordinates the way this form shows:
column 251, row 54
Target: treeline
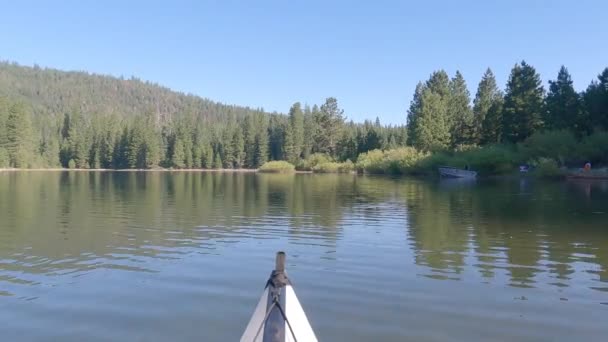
column 440, row 116
column 50, row 118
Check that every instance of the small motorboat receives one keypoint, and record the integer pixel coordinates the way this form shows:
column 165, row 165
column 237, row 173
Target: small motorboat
column 452, row 172
column 278, row 317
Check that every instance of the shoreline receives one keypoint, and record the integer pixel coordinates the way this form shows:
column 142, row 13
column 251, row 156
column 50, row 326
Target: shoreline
column 137, row 170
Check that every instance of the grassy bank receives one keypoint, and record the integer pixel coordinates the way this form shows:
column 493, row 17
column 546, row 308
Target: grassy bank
column 277, row 166
column 549, row 155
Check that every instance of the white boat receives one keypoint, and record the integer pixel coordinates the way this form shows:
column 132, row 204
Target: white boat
column 278, row 317
column 446, row 171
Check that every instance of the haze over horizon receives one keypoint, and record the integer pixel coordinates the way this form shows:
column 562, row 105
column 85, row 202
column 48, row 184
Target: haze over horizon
column 271, row 54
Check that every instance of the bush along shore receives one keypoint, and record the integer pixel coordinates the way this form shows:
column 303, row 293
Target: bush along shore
column 551, row 154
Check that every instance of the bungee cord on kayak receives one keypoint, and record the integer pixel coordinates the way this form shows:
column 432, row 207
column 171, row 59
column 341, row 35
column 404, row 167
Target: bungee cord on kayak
column 278, row 310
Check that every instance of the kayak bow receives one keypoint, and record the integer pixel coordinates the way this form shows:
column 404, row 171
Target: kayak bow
column 279, row 317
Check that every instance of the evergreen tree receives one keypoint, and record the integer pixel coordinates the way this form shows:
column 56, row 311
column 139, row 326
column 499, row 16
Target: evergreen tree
column 19, row 137
column 460, row 115
column 310, row 131
column 491, row 129
column 596, row 103
column 289, row 148
column 487, row 96
column 77, row 144
column 524, row 103
column 563, row 103
column 249, row 133
column 329, row 119
column 238, row 149
column 413, row 113
column 429, row 125
column 432, row 130
column 217, row 163
column 179, row 154
column 261, row 142
column 296, row 122
column 207, row 161
column 227, row 154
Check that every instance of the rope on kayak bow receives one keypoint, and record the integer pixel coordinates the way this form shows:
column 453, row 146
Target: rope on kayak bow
column 277, row 282
column 275, row 302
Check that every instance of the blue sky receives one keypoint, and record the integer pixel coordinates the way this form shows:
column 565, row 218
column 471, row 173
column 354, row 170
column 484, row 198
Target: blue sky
column 368, row 54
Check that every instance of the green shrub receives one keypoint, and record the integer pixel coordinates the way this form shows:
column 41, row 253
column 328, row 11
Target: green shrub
column 71, row 164
column 371, row 162
column 547, row 168
column 401, row 160
column 334, row 167
column 594, row 148
column 489, row 160
column 346, row 167
column 277, row 166
column 557, row 145
column 313, row 160
column 329, row 167
column 430, row 163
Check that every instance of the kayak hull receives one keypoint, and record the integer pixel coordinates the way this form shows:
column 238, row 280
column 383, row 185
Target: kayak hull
column 278, row 316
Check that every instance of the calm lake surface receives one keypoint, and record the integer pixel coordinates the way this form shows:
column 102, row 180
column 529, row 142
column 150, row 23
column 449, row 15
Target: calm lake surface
column 146, row 256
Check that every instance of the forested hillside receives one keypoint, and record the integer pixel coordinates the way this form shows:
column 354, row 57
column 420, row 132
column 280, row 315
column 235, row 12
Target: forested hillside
column 52, row 118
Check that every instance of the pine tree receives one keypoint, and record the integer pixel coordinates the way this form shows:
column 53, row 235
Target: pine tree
column 77, row 142
column 179, row 154
column 432, row 130
column 19, row 137
column 563, row 103
column 491, row 129
column 217, row 163
column 524, row 103
column 296, row 123
column 413, row 113
column 429, row 122
column 596, row 103
column 249, row 133
column 487, row 95
column 460, row 115
column 309, row 131
column 330, row 119
column 289, row 148
column 238, row 149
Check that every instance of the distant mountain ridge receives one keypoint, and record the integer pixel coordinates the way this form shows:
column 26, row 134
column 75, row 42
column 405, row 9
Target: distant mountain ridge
column 53, row 91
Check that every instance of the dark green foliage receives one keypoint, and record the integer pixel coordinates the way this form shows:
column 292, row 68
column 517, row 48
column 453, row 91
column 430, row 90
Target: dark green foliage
column 460, row 116
column 429, row 121
column 560, row 146
column 19, row 138
column 596, row 103
column 217, row 163
column 329, row 119
column 524, row 104
column 432, row 130
column 487, row 110
column 294, row 135
column 492, row 124
column 564, row 108
column 414, row 113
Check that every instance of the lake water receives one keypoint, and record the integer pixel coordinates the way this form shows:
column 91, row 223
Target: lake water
column 146, row 256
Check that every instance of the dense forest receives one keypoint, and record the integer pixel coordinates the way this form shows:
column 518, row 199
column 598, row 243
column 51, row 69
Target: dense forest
column 52, row 118
column 441, row 117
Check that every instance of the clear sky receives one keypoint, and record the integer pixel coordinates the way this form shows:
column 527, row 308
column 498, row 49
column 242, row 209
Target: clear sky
column 368, row 54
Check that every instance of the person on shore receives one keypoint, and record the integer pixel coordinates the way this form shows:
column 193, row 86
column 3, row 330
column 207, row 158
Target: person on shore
column 587, row 167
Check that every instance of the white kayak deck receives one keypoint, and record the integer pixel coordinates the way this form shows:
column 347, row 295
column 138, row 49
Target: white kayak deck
column 279, row 316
